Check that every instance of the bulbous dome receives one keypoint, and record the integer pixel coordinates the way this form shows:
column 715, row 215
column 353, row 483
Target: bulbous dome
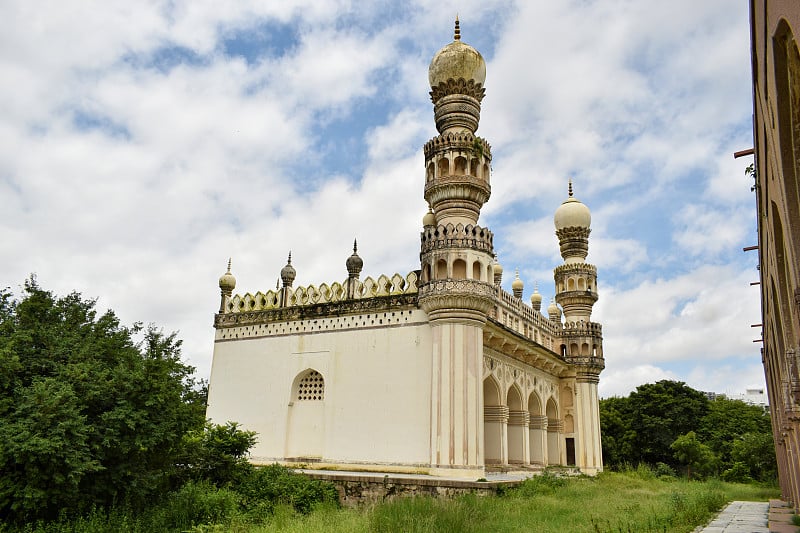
column 517, row 284
column 288, row 273
column 497, row 268
column 227, row 281
column 457, row 60
column 429, row 219
column 572, row 213
column 536, row 298
column 354, row 263
column 553, row 311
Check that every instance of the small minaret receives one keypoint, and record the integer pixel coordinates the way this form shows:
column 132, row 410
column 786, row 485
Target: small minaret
column 497, row 272
column 536, row 298
column 354, row 265
column 288, row 273
column 517, row 285
column 581, row 339
column 226, row 285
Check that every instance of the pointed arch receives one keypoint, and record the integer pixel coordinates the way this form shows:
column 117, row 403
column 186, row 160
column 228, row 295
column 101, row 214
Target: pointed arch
column 495, row 418
column 306, row 418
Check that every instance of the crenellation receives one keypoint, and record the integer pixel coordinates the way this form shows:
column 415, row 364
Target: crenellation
column 312, row 295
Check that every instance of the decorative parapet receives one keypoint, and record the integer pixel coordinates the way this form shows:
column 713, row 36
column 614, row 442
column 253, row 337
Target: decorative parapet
column 515, row 314
column 460, row 141
column 575, row 268
column 459, row 236
column 592, row 329
column 324, row 294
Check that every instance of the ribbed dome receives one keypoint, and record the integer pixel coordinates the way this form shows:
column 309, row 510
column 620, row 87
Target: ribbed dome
column 354, row 263
column 572, row 213
column 457, row 60
column 288, row 273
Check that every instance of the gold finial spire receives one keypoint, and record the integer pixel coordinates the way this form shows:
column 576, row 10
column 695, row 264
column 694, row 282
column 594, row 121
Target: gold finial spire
column 229, row 265
column 355, row 245
column 457, row 34
column 570, row 187
column 289, row 262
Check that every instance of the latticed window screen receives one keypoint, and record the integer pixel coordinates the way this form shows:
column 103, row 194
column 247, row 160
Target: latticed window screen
column 311, row 387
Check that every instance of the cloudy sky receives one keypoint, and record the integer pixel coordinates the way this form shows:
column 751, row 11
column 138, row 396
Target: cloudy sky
column 144, row 143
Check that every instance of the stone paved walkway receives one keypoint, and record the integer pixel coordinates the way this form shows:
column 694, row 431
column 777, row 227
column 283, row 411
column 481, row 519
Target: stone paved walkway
column 741, row 517
column 752, row 517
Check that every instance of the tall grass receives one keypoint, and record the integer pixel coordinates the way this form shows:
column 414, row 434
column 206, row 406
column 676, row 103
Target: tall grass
column 637, row 500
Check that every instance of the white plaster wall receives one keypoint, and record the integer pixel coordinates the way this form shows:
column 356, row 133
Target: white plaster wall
column 377, row 390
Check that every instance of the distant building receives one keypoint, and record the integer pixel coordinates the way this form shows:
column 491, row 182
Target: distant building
column 753, row 396
column 439, row 371
column 776, row 131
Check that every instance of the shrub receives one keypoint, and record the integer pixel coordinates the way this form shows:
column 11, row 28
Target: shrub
column 264, row 487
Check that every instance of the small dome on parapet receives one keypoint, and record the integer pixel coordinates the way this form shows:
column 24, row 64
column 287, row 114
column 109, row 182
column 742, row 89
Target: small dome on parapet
column 354, row 263
column 553, row 311
column 455, row 61
column 288, row 273
column 572, row 213
column 227, row 281
column 536, row 298
column 497, row 268
column 429, row 219
column 517, row 283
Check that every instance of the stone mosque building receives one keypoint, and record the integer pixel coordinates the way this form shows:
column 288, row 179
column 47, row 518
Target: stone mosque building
column 440, row 371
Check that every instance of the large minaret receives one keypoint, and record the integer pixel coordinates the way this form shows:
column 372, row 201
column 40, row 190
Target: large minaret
column 456, row 289
column 581, row 339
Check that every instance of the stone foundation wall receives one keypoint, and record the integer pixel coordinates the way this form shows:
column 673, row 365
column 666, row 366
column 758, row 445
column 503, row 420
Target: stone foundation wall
column 356, row 489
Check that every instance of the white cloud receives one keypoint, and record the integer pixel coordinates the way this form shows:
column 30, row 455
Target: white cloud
column 134, row 181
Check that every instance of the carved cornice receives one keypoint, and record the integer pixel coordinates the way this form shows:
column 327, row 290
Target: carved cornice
column 512, row 344
column 587, row 365
column 344, row 307
column 447, row 297
column 582, row 329
column 464, row 142
column 459, row 86
column 575, row 268
column 576, row 298
column 457, row 189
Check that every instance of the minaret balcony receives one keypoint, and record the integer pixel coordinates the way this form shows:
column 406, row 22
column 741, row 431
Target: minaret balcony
column 454, row 298
column 449, row 236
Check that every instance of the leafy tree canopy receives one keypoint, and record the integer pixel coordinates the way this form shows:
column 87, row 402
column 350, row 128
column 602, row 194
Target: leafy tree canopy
column 91, row 412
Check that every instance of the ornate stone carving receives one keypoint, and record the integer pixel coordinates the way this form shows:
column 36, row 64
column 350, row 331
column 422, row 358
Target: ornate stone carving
column 454, row 296
column 320, row 310
column 458, row 236
column 463, row 142
column 459, row 86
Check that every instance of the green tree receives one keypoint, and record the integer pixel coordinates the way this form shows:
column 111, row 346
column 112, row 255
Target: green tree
column 726, row 422
column 91, row 412
column 660, row 413
column 618, row 438
column 756, row 451
column 693, row 454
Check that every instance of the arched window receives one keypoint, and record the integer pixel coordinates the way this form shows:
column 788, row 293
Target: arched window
column 311, row 387
column 444, row 166
column 475, row 167
column 461, row 166
column 460, row 269
column 476, row 270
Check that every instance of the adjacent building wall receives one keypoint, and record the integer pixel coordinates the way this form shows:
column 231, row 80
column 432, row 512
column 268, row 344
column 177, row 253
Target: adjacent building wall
column 775, row 28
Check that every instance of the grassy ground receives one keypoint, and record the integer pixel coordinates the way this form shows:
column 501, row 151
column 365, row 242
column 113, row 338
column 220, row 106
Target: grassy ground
column 635, row 501
column 613, row 502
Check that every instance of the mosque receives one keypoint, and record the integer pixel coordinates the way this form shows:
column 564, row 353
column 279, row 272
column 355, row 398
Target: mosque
column 440, row 371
